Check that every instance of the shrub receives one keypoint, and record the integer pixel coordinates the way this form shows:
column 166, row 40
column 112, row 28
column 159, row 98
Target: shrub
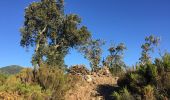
column 47, row 82
column 166, row 83
column 117, row 70
column 15, row 86
column 26, row 76
column 136, row 81
column 3, row 78
column 123, row 94
column 133, row 81
column 116, row 95
column 148, row 92
column 53, row 79
column 166, row 61
column 145, row 75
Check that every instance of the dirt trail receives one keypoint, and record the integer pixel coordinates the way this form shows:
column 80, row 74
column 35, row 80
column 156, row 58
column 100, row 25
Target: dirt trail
column 99, row 88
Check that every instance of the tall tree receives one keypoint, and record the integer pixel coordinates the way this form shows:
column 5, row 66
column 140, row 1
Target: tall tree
column 150, row 43
column 51, row 32
column 92, row 51
column 114, row 60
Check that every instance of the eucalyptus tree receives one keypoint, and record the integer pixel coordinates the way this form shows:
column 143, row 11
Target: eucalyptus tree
column 114, row 60
column 51, row 32
column 92, row 51
column 150, row 43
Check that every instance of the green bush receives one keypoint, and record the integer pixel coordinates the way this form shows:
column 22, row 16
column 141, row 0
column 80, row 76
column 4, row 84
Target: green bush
column 26, row 76
column 117, row 70
column 15, row 86
column 53, row 79
column 150, row 81
column 47, row 82
column 148, row 93
column 151, row 74
column 133, row 81
column 3, row 78
column 123, row 94
column 166, row 61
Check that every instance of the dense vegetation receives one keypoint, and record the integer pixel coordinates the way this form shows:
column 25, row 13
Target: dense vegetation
column 150, row 81
column 52, row 33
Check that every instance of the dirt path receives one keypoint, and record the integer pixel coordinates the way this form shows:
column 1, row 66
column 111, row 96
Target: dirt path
column 100, row 88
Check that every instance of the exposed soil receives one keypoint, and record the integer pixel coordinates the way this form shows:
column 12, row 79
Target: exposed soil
column 100, row 88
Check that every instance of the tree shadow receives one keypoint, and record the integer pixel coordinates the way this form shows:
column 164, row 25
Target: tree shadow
column 106, row 91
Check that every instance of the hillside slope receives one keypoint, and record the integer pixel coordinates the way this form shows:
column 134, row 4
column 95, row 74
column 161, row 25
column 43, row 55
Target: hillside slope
column 10, row 70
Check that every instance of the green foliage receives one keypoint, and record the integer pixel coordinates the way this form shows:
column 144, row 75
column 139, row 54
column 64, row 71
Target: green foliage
column 3, row 78
column 26, row 76
column 150, row 42
column 47, row 82
column 150, row 81
column 116, row 96
column 133, row 81
column 123, row 94
column 148, row 92
column 114, row 60
column 14, row 85
column 166, row 61
column 92, row 51
column 151, row 74
column 117, row 70
column 136, row 81
column 53, row 79
column 51, row 31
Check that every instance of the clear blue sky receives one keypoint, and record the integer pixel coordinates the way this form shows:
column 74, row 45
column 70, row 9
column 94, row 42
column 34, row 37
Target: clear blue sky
column 115, row 21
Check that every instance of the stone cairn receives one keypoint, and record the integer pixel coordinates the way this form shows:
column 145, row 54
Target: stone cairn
column 78, row 70
column 82, row 71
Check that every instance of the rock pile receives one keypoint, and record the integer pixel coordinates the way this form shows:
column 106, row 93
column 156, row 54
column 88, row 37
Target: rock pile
column 88, row 76
column 87, row 88
column 78, row 70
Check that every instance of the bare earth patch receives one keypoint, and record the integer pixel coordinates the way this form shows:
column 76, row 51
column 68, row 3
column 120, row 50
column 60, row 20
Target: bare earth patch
column 96, row 89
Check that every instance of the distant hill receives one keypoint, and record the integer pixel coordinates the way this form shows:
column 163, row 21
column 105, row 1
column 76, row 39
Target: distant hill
column 10, row 70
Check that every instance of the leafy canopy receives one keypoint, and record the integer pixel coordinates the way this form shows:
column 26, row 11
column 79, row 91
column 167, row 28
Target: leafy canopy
column 150, row 42
column 51, row 32
column 114, row 60
column 92, row 51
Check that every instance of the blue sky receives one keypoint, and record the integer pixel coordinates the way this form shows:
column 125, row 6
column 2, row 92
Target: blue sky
column 114, row 21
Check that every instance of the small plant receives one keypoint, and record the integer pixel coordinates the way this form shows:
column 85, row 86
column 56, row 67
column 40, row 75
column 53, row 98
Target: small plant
column 53, row 79
column 116, row 95
column 166, row 61
column 151, row 74
column 148, row 92
column 15, row 86
column 123, row 94
column 3, row 78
